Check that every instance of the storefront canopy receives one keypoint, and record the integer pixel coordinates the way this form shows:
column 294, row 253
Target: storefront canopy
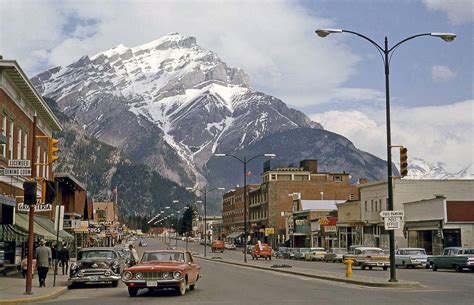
column 21, row 220
column 48, row 224
column 7, row 201
column 234, row 234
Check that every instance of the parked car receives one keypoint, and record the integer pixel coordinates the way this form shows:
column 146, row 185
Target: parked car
column 335, row 255
column 261, row 250
column 229, row 246
column 96, row 265
column 351, row 251
column 369, row 257
column 315, row 254
column 456, row 258
column 279, row 252
column 290, row 254
column 217, row 245
column 411, row 257
column 160, row 269
column 300, row 254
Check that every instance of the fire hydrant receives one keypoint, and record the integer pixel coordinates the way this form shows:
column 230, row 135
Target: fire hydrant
column 348, row 263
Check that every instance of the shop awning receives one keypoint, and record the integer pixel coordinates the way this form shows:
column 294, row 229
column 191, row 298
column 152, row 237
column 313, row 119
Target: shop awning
column 423, row 225
column 21, row 220
column 7, row 201
column 234, row 234
column 48, row 224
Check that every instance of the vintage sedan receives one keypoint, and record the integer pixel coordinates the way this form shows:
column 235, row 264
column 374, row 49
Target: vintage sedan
column 159, row 269
column 456, row 258
column 411, row 257
column 369, row 257
column 96, row 265
column 335, row 255
column 315, row 254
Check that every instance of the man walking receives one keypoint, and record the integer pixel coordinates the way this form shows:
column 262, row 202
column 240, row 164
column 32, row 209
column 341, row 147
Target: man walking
column 133, row 255
column 64, row 257
column 43, row 261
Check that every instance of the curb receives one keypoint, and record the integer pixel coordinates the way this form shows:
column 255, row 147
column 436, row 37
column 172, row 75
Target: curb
column 325, row 277
column 41, row 298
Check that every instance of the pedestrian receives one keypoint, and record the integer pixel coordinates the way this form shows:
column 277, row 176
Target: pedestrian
column 24, row 266
column 43, row 261
column 64, row 257
column 133, row 255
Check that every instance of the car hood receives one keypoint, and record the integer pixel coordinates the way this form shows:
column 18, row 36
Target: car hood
column 93, row 263
column 157, row 266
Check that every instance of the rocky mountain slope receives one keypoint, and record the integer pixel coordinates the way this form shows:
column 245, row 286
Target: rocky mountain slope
column 171, row 104
column 420, row 169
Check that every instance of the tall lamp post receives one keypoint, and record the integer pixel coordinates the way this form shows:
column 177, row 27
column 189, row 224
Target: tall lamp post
column 387, row 54
column 205, row 192
column 244, row 161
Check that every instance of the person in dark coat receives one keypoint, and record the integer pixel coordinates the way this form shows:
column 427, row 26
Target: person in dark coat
column 64, row 257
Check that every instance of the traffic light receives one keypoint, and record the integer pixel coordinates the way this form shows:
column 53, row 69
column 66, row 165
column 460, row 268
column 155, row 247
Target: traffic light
column 403, row 161
column 29, row 192
column 48, row 191
column 52, row 150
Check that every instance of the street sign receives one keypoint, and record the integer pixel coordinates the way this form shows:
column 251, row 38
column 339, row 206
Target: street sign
column 19, row 163
column 15, row 171
column 38, row 207
column 71, row 223
column 269, row 231
column 392, row 223
column 392, row 214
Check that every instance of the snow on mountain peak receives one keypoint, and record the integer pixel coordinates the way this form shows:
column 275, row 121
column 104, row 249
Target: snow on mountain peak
column 420, row 169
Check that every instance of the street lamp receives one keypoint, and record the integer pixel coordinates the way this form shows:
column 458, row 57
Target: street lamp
column 448, row 37
column 205, row 191
column 244, row 162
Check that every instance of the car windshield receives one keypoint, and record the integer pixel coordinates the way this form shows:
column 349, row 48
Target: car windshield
column 339, row 251
column 416, row 252
column 305, row 250
column 163, row 257
column 96, row 254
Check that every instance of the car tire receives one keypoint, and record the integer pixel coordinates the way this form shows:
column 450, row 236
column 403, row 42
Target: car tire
column 132, row 291
column 458, row 268
column 182, row 288
column 270, row 258
column 370, row 267
column 362, row 267
column 435, row 268
column 115, row 284
column 385, row 268
column 192, row 287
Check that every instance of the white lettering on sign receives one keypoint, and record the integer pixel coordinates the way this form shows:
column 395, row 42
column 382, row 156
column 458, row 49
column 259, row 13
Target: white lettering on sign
column 392, row 214
column 19, row 163
column 38, row 207
column 392, row 223
column 15, row 171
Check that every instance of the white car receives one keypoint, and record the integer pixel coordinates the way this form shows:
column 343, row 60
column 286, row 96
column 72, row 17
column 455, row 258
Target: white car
column 229, row 246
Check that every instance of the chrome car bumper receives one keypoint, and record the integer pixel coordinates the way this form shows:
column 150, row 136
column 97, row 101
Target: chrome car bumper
column 92, row 279
column 376, row 264
column 153, row 283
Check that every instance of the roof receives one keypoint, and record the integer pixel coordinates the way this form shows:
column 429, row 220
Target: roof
column 71, row 178
column 22, row 82
column 320, row 204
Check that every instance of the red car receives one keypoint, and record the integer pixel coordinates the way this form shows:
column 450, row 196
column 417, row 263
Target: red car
column 162, row 269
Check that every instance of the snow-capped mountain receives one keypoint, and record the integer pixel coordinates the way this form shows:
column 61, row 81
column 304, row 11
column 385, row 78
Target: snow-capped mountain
column 171, row 104
column 420, row 169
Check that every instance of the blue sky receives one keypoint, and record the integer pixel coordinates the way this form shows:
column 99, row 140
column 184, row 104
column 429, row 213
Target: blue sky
column 337, row 80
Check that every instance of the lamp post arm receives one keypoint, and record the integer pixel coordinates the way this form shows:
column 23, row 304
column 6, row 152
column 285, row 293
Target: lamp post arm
column 241, row 161
column 406, row 39
column 254, row 157
column 366, row 38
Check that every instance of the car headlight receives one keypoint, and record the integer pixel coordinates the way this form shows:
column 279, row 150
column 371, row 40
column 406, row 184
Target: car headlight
column 177, row 275
column 74, row 266
column 107, row 273
column 166, row 275
column 80, row 273
column 139, row 276
column 127, row 275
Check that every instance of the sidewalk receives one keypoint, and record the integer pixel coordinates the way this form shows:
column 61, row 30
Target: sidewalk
column 319, row 274
column 12, row 288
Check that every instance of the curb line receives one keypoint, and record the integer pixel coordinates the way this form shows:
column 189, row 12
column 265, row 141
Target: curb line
column 41, row 298
column 324, row 277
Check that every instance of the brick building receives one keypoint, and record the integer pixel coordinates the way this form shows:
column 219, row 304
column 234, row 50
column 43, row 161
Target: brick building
column 269, row 201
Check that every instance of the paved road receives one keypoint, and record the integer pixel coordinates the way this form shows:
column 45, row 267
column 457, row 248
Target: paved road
column 227, row 285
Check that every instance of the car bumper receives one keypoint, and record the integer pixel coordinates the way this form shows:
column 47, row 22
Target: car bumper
column 153, row 283
column 94, row 279
column 376, row 264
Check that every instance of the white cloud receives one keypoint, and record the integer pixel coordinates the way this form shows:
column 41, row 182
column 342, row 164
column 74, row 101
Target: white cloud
column 442, row 73
column 434, row 133
column 273, row 41
column 458, row 11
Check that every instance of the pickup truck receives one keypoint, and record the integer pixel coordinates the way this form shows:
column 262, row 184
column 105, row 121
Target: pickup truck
column 456, row 258
column 369, row 257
